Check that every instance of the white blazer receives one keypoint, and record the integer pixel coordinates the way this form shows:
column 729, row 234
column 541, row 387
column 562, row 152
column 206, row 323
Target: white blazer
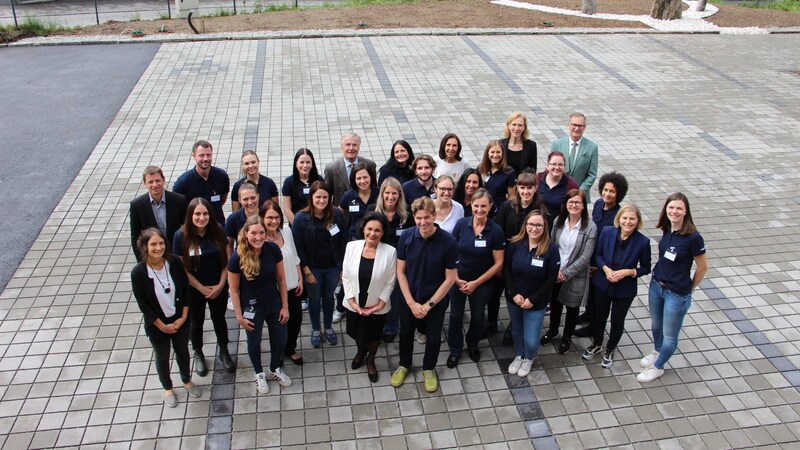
column 383, row 274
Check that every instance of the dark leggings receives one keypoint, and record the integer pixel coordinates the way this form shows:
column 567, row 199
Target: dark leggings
column 180, row 343
column 295, row 321
column 555, row 315
column 619, row 309
column 493, row 305
column 197, row 315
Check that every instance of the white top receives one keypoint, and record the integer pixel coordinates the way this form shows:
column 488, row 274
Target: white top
column 456, row 213
column 452, row 169
column 384, row 270
column 566, row 243
column 290, row 258
column 162, row 279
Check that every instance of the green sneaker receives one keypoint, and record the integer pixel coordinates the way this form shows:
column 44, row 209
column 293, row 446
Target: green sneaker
column 399, row 376
column 431, row 381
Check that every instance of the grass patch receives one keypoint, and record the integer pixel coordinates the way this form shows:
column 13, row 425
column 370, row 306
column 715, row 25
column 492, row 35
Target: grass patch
column 29, row 27
column 221, row 12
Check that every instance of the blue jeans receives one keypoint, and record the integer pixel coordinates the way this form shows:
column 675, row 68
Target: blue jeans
column 667, row 310
column 526, row 326
column 277, row 337
column 477, row 305
column 392, row 325
column 320, row 295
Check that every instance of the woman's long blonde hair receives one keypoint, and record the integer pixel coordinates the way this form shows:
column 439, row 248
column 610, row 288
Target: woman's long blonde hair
column 248, row 260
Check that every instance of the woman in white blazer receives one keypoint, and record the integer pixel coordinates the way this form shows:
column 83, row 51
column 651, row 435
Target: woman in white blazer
column 368, row 275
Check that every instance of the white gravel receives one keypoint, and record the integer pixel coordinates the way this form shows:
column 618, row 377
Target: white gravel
column 691, row 21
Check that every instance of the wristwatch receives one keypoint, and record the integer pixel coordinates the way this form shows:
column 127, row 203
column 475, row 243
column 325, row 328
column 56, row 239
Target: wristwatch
column 431, row 304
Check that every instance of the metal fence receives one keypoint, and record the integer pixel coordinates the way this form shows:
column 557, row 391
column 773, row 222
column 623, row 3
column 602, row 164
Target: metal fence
column 70, row 13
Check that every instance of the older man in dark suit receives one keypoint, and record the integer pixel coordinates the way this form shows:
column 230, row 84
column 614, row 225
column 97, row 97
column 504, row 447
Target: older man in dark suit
column 337, row 173
column 158, row 208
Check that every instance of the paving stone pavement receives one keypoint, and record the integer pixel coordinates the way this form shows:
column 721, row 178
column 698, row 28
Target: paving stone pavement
column 713, row 116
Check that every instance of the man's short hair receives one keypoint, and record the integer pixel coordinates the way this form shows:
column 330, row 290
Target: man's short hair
column 349, row 135
column 152, row 170
column 202, row 143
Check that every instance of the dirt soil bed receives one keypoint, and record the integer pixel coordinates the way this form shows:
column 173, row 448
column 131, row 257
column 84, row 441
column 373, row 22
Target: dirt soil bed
column 439, row 14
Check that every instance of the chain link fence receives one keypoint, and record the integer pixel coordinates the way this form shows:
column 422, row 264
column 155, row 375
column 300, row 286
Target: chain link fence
column 70, row 13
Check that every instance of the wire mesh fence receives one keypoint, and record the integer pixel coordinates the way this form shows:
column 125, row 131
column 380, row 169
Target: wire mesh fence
column 70, row 13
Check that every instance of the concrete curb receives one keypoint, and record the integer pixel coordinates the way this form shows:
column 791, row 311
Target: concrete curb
column 339, row 33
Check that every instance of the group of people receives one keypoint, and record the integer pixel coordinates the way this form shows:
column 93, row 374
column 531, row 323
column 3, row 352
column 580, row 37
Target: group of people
column 395, row 250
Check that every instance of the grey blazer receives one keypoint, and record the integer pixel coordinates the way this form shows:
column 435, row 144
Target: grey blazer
column 575, row 288
column 336, row 177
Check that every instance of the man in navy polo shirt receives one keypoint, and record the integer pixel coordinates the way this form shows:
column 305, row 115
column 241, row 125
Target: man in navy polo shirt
column 421, row 186
column 205, row 180
column 426, row 269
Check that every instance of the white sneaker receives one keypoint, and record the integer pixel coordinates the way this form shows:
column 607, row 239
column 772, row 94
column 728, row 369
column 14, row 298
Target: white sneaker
column 261, row 383
column 648, row 360
column 337, row 316
column 421, row 338
column 525, row 367
column 513, row 368
column 304, row 305
column 649, row 374
column 280, row 376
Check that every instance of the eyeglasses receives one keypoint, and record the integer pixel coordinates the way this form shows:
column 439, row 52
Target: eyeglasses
column 577, row 125
column 574, row 202
column 535, row 226
column 556, row 164
column 445, row 189
column 274, row 218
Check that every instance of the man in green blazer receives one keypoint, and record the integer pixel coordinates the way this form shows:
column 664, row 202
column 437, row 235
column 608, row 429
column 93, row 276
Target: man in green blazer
column 579, row 152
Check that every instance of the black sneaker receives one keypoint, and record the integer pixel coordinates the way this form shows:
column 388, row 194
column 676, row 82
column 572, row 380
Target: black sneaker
column 564, row 346
column 548, row 337
column 590, row 352
column 608, row 359
column 452, row 361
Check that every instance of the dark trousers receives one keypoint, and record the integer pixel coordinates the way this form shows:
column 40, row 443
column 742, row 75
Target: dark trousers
column 295, row 321
column 180, row 344
column 477, row 303
column 197, row 316
column 277, row 337
column 432, row 323
column 493, row 304
column 619, row 309
column 555, row 314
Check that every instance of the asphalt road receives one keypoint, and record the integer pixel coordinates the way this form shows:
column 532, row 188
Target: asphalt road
column 56, row 103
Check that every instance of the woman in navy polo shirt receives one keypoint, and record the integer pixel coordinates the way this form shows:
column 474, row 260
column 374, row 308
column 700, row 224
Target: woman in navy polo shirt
column 672, row 283
column 554, row 184
column 398, row 165
column 363, row 192
column 297, row 186
column 530, row 270
column 267, row 190
column 622, row 255
column 201, row 245
column 481, row 246
column 497, row 176
column 391, row 204
column 258, row 288
column 320, row 236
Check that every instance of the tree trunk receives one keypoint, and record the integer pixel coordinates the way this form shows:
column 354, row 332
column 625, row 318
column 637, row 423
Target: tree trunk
column 666, row 9
column 701, row 6
column 588, row 7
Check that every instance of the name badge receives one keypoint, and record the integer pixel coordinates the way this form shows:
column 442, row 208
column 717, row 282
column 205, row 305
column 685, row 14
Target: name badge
column 334, row 230
column 215, row 198
column 480, row 243
column 249, row 315
column 306, row 190
column 354, row 208
column 192, row 252
column 670, row 255
column 399, row 231
column 537, row 262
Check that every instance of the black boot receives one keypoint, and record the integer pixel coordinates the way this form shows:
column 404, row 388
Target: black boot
column 225, row 357
column 200, row 363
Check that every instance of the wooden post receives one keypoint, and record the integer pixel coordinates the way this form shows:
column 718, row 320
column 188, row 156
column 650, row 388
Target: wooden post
column 588, row 7
column 666, row 9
